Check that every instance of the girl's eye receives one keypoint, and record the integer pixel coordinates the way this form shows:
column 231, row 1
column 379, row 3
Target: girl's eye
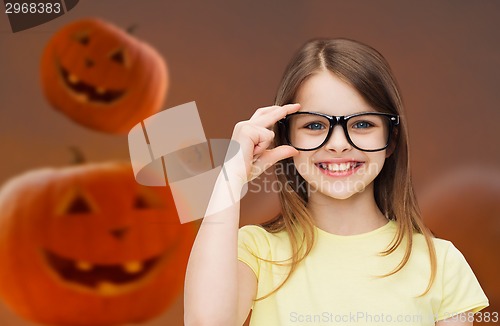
column 362, row 125
column 315, row 126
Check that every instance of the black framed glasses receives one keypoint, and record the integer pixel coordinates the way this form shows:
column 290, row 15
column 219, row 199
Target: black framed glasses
column 366, row 131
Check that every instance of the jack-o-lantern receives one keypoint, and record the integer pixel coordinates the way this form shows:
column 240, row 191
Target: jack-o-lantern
column 87, row 245
column 102, row 77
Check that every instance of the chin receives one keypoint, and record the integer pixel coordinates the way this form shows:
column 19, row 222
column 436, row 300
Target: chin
column 339, row 189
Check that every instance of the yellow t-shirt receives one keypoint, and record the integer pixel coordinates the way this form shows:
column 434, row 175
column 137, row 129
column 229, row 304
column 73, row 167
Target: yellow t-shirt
column 337, row 283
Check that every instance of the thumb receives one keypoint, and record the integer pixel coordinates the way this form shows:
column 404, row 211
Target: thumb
column 270, row 157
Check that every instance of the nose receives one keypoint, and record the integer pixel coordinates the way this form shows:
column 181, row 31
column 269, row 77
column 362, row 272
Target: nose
column 119, row 233
column 338, row 141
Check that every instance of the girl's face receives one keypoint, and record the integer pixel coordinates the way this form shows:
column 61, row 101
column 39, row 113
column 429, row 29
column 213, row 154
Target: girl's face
column 337, row 169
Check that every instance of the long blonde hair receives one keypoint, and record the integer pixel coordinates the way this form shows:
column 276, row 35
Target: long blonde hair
column 368, row 72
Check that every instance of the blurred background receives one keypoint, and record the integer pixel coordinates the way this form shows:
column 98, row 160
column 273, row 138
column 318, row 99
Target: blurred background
column 229, row 56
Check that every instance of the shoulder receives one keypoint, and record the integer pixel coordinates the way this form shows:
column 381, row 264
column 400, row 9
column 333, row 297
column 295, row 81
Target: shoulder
column 256, row 245
column 450, row 256
column 445, row 249
column 257, row 239
column 450, row 260
column 441, row 245
column 258, row 233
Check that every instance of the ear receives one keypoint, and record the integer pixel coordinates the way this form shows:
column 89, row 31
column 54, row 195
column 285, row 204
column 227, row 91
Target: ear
column 392, row 145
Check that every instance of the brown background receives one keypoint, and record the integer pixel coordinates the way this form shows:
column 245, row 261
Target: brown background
column 228, row 56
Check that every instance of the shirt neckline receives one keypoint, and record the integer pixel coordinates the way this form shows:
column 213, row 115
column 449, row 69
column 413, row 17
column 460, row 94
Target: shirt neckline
column 386, row 226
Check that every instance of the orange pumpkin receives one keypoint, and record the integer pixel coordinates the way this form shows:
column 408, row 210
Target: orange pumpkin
column 87, row 245
column 101, row 77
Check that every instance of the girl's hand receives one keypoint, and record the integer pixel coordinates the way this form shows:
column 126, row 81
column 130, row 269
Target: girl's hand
column 254, row 137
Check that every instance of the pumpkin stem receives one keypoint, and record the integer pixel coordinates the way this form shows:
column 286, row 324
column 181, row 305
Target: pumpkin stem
column 78, row 157
column 131, row 29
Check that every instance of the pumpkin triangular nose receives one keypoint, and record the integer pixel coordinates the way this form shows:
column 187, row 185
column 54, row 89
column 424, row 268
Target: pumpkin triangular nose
column 89, row 63
column 119, row 233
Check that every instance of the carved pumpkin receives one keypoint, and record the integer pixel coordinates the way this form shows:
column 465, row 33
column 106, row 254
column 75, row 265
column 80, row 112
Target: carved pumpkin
column 87, row 245
column 101, row 77
column 465, row 209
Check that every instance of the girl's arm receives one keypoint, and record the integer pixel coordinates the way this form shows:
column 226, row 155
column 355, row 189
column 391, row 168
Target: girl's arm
column 219, row 289
column 211, row 288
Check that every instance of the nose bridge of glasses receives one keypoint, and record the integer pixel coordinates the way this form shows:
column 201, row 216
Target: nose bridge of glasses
column 337, row 120
column 338, row 134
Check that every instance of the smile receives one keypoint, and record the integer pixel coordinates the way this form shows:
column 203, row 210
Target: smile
column 339, row 169
column 85, row 92
column 105, row 279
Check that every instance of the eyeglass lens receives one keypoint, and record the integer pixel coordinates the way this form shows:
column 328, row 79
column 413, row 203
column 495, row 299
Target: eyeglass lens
column 367, row 132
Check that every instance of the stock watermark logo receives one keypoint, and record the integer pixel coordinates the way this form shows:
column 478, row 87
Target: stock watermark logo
column 27, row 14
column 170, row 148
column 388, row 318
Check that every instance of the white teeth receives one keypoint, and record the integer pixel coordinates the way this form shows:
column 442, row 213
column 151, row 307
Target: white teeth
column 100, row 90
column 82, row 97
column 107, row 288
column 338, row 167
column 133, row 267
column 73, row 79
column 83, row 266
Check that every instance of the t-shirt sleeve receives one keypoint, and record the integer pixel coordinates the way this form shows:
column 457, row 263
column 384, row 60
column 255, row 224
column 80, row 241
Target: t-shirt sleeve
column 461, row 289
column 250, row 242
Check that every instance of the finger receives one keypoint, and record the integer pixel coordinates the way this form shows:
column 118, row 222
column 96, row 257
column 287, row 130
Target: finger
column 272, row 116
column 277, row 112
column 270, row 157
column 266, row 139
column 267, row 109
column 253, row 139
column 261, row 111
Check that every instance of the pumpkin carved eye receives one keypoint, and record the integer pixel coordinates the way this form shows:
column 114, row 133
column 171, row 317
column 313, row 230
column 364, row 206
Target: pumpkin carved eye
column 79, row 205
column 147, row 200
column 118, row 57
column 141, row 203
column 83, row 39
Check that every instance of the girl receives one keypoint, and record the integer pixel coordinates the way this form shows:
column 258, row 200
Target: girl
column 349, row 246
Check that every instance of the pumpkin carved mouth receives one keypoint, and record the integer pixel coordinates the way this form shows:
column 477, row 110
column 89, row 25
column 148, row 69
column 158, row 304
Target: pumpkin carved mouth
column 105, row 279
column 86, row 92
